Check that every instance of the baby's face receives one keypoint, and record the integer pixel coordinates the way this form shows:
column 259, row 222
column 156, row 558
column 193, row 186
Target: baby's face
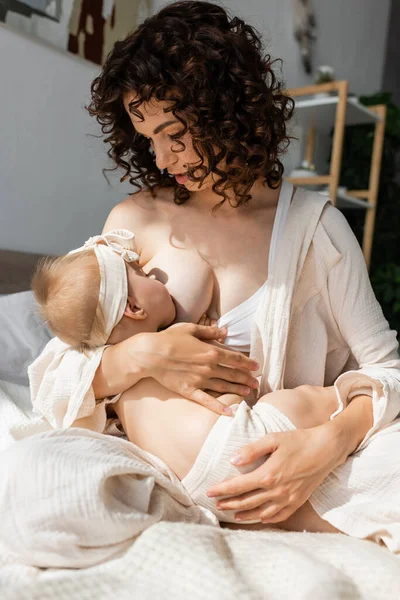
column 152, row 296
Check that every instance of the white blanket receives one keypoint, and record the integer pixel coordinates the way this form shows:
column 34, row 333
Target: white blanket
column 184, row 560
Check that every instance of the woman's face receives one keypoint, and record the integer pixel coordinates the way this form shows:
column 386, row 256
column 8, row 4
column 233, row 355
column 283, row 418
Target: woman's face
column 158, row 126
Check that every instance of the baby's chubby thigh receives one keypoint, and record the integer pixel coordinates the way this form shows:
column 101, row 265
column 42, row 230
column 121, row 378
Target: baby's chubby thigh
column 166, row 424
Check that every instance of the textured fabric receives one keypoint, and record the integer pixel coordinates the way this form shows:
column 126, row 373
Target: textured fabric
column 61, row 387
column 226, row 437
column 182, row 561
column 319, row 322
column 179, row 560
column 362, row 496
column 84, row 498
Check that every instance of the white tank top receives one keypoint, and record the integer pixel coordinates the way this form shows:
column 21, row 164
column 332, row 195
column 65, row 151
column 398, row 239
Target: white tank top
column 239, row 320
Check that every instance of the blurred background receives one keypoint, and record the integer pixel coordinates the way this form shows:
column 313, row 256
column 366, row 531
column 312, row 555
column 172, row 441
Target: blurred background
column 53, row 194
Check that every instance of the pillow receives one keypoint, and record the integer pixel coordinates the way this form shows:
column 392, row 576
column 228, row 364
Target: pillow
column 23, row 335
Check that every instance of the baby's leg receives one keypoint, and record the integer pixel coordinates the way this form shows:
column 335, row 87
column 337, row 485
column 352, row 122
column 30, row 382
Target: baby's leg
column 306, row 406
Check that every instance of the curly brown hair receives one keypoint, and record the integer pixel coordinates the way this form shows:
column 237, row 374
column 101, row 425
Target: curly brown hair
column 218, row 84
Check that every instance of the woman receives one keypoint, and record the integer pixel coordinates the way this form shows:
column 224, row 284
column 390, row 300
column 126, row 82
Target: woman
column 192, row 109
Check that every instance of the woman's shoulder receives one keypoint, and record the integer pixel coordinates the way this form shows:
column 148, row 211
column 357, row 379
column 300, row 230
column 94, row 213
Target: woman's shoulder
column 338, row 230
column 332, row 223
column 140, row 210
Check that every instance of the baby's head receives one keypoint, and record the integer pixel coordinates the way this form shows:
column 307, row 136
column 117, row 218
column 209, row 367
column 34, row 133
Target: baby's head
column 98, row 294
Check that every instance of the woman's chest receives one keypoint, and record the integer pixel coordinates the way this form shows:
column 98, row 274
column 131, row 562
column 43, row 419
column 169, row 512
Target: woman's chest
column 209, row 265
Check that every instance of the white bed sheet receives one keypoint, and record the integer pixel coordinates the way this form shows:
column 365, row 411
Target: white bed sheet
column 181, row 561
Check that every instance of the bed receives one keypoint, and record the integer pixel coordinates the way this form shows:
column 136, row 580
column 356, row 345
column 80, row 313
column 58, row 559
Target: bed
column 183, row 560
column 16, row 269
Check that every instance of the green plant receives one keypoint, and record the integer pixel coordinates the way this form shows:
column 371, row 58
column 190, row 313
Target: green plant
column 357, row 148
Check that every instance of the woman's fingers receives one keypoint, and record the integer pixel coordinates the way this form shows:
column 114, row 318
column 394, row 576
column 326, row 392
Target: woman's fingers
column 236, row 376
column 208, row 401
column 259, row 514
column 276, row 514
column 204, row 332
column 262, row 447
column 247, row 501
column 224, row 387
column 236, row 359
column 236, row 486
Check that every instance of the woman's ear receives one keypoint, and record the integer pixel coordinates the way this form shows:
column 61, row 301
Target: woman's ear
column 133, row 311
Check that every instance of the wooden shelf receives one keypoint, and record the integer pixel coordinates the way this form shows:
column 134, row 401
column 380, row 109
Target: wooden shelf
column 358, row 199
column 321, row 112
column 327, row 107
column 348, row 201
column 313, row 180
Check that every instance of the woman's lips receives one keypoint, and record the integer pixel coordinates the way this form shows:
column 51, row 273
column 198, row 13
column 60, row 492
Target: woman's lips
column 181, row 178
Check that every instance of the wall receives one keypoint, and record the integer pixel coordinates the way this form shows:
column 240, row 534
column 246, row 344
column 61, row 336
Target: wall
column 351, row 37
column 50, row 170
column 52, row 191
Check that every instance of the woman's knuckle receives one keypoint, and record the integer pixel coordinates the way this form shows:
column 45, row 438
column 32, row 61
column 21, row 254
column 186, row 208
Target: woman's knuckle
column 212, row 355
column 269, row 480
column 186, row 388
column 266, row 481
column 206, row 370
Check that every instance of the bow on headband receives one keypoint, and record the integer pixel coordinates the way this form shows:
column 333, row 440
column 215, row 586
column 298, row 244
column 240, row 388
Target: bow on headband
column 112, row 250
column 120, row 241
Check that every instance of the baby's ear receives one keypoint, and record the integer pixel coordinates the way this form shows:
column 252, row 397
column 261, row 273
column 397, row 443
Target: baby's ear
column 133, row 311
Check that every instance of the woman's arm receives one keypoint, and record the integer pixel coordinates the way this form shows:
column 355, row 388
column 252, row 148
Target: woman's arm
column 372, row 343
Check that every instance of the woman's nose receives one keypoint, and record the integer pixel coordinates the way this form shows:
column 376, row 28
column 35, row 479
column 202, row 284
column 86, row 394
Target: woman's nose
column 164, row 156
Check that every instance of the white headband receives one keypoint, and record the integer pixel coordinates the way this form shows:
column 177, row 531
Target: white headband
column 112, row 250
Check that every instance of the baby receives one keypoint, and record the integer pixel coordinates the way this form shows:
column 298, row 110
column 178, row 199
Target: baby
column 98, row 295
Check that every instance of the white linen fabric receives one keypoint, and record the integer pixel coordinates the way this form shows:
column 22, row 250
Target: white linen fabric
column 102, row 493
column 173, row 559
column 61, row 387
column 319, row 322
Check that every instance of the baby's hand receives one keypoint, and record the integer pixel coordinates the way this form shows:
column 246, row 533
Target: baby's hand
column 205, row 320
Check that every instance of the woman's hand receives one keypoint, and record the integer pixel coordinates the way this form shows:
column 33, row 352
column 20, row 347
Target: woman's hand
column 179, row 359
column 299, row 461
